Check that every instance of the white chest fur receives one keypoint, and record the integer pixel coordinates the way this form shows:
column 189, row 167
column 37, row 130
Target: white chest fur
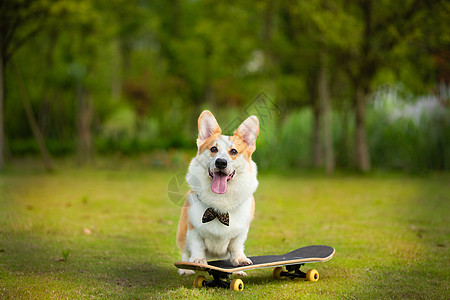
column 217, row 236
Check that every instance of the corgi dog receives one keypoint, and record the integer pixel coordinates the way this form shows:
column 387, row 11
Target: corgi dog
column 216, row 215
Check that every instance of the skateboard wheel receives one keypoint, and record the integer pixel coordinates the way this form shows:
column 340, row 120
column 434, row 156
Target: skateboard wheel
column 277, row 272
column 199, row 280
column 312, row 275
column 236, row 285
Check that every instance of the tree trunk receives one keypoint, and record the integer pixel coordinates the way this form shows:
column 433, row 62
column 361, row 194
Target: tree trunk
column 31, row 119
column 317, row 134
column 48, row 93
column 324, row 99
column 120, row 68
column 362, row 151
column 84, row 122
column 346, row 146
column 209, row 94
column 2, row 102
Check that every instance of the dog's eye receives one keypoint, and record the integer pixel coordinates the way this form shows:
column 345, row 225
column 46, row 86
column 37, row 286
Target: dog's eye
column 214, row 149
column 233, row 151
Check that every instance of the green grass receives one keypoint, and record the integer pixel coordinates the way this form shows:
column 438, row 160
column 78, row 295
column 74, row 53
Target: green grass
column 83, row 233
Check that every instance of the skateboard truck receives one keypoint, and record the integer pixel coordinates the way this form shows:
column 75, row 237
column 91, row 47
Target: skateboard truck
column 293, row 271
column 219, row 280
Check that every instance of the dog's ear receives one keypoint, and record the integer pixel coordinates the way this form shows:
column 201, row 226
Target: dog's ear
column 207, row 126
column 248, row 131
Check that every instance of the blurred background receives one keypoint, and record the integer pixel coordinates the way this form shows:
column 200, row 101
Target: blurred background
column 343, row 84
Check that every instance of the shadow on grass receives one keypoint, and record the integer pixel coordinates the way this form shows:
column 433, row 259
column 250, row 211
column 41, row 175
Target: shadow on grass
column 34, row 265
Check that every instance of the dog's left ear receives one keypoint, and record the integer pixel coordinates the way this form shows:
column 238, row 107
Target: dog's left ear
column 248, row 131
column 207, row 126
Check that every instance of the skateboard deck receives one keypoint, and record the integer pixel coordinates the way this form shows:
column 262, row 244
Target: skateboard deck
column 221, row 269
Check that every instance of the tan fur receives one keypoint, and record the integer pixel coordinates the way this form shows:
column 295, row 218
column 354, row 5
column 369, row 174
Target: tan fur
column 252, row 209
column 241, row 147
column 184, row 224
column 247, row 149
column 208, row 143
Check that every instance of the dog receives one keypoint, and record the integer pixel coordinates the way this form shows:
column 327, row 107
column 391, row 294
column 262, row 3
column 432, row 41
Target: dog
column 216, row 215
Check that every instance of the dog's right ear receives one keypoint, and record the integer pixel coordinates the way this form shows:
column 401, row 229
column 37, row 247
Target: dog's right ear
column 207, row 126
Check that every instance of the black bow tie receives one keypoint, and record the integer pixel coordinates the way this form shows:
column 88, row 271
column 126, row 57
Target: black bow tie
column 210, row 214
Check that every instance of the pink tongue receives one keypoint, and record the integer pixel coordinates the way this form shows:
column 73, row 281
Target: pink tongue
column 219, row 184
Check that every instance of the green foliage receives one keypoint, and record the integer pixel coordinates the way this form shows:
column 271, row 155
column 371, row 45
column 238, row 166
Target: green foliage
column 148, row 68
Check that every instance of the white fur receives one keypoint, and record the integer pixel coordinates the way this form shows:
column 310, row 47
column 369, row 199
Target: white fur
column 213, row 239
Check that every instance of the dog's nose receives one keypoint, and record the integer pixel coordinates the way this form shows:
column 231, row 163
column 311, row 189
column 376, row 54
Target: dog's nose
column 221, row 163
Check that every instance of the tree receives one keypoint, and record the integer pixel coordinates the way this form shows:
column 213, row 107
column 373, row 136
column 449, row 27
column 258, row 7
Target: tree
column 307, row 26
column 382, row 26
column 20, row 22
column 31, row 119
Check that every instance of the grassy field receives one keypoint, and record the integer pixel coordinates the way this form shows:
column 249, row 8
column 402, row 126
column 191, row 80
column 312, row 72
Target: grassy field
column 80, row 233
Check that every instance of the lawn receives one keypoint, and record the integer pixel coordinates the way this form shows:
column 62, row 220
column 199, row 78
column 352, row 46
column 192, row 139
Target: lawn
column 84, row 233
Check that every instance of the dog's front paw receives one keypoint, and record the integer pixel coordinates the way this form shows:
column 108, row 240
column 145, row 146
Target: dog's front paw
column 240, row 274
column 241, row 261
column 199, row 261
column 184, row 272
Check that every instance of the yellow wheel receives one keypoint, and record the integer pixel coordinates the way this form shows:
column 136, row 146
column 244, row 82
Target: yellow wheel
column 198, row 282
column 312, row 275
column 236, row 285
column 277, row 272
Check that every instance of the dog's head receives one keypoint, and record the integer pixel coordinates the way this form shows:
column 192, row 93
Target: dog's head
column 225, row 158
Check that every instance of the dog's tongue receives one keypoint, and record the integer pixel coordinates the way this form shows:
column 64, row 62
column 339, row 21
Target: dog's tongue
column 219, row 183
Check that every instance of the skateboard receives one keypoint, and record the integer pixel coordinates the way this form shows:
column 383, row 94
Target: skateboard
column 220, row 270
